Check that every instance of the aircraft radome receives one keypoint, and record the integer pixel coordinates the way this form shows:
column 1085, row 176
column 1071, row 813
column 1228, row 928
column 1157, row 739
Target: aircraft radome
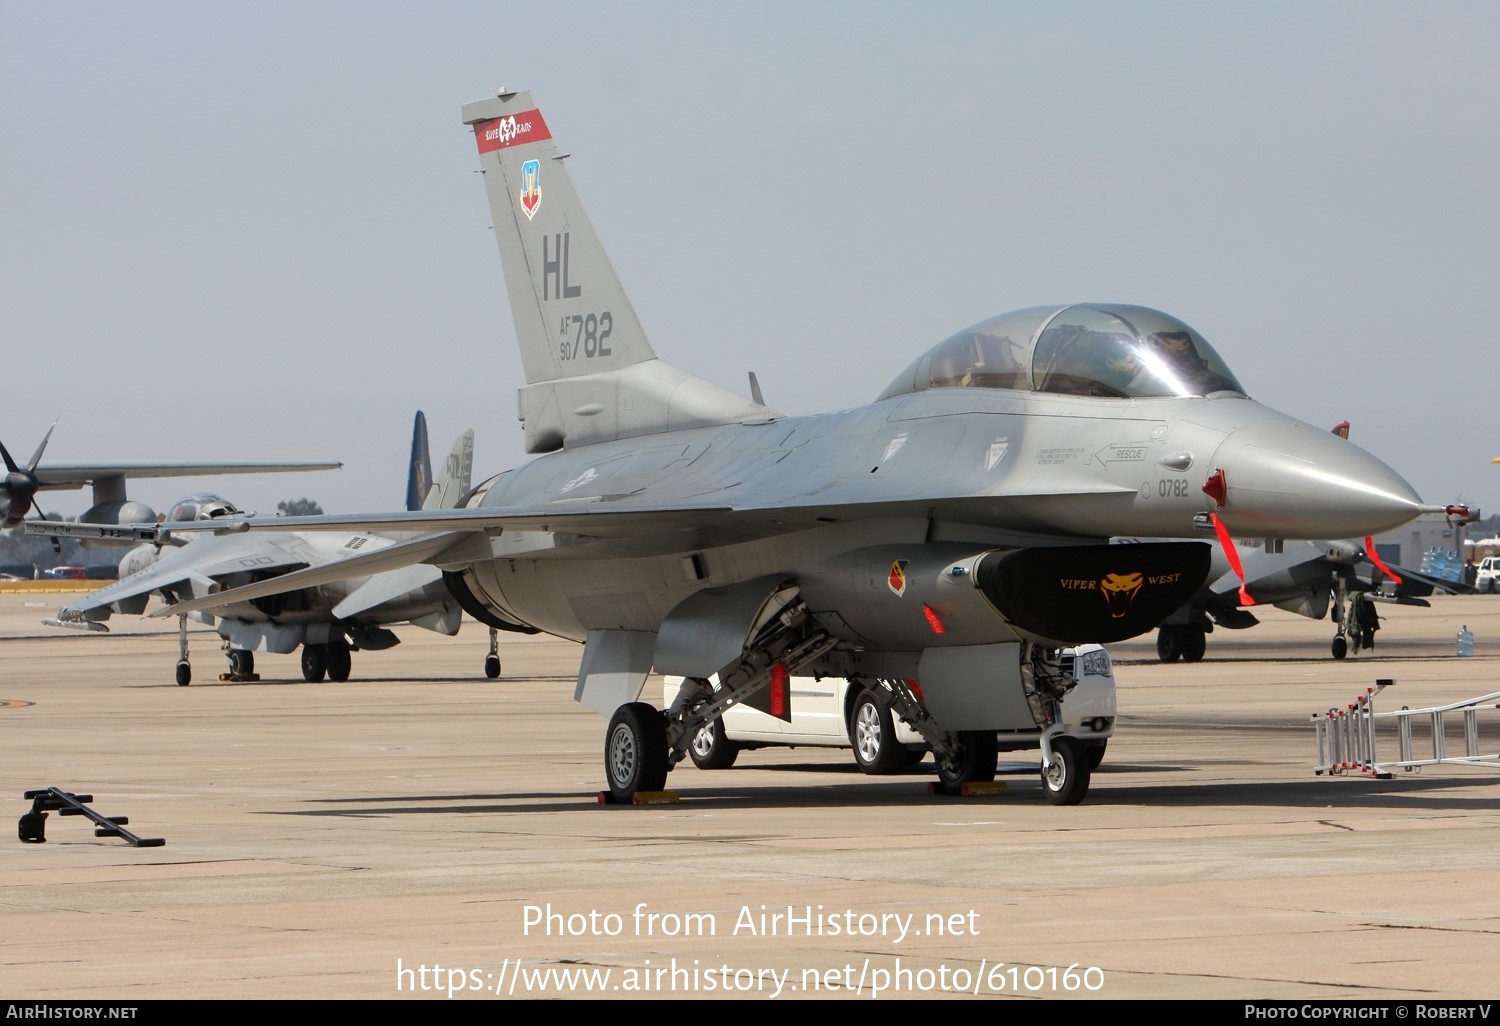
column 941, row 544
column 1308, row 578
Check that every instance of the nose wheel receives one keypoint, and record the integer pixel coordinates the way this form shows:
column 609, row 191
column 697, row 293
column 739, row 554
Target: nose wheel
column 1065, row 776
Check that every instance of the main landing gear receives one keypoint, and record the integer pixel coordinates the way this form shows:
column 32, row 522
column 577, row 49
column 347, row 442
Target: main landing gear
column 635, row 750
column 1357, row 621
column 241, row 660
column 1183, row 641
column 333, row 659
column 962, row 757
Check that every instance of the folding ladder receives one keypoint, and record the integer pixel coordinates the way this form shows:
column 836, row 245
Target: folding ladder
column 1346, row 737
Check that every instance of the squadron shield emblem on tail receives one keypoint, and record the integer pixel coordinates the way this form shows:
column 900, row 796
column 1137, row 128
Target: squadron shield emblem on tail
column 531, row 188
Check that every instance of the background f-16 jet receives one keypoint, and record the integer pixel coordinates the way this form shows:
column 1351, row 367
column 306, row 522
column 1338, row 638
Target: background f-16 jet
column 940, row 545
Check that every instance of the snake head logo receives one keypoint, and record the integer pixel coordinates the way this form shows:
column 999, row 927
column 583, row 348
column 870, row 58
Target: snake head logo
column 1120, row 590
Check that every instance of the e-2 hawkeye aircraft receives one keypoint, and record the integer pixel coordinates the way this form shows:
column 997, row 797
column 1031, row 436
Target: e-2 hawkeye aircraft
column 940, row 545
column 20, row 483
column 327, row 622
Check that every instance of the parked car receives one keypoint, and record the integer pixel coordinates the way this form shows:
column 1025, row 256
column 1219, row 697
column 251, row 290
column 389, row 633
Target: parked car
column 67, row 573
column 833, row 712
column 1487, row 576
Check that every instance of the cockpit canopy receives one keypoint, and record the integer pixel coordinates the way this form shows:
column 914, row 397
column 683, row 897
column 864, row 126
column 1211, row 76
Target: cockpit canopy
column 202, row 506
column 1124, row 352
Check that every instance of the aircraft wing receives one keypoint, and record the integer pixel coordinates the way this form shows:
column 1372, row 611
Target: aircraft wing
column 640, row 529
column 1298, row 564
column 60, row 474
column 610, row 517
column 1414, row 583
column 190, row 568
column 426, row 548
column 386, row 586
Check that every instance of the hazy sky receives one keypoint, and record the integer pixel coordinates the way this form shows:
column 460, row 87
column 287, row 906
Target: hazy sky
column 256, row 231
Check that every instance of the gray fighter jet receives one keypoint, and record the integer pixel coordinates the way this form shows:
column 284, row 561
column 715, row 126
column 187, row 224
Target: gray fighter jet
column 1311, row 579
column 940, row 545
column 326, row 622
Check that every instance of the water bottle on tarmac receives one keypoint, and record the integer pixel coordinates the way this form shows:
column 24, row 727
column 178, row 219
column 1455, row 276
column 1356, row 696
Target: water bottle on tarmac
column 1465, row 641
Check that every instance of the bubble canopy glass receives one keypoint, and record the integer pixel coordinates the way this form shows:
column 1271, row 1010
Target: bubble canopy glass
column 1113, row 351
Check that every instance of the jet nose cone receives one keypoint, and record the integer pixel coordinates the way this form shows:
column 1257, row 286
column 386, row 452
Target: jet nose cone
column 1287, row 479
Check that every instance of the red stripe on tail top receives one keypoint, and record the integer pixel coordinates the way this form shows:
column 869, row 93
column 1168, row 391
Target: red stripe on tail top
column 511, row 130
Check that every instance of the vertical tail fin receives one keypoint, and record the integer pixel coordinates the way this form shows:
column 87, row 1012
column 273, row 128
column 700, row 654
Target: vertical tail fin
column 419, row 467
column 454, row 481
column 572, row 316
column 591, row 372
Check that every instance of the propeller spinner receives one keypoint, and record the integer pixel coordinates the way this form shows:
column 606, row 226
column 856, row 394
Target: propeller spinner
column 21, row 483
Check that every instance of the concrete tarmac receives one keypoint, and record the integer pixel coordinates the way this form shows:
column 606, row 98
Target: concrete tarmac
column 420, row 832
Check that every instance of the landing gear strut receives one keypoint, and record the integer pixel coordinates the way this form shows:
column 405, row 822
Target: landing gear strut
column 184, row 670
column 492, row 661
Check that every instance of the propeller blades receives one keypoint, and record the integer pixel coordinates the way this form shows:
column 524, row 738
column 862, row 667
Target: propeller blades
column 20, row 483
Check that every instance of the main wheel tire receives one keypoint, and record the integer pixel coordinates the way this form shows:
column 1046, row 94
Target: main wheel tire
column 184, row 674
column 975, row 763
column 241, row 662
column 1065, row 780
column 1193, row 642
column 492, row 666
column 1340, row 648
column 314, row 662
column 635, row 750
column 1095, row 754
column 873, row 735
column 340, row 662
column 1168, row 644
column 711, row 749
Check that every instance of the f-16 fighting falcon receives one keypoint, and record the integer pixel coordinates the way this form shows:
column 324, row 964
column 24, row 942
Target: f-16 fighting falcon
column 940, row 545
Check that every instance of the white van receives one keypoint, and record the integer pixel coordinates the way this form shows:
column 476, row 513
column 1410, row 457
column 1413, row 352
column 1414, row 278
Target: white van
column 832, row 713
